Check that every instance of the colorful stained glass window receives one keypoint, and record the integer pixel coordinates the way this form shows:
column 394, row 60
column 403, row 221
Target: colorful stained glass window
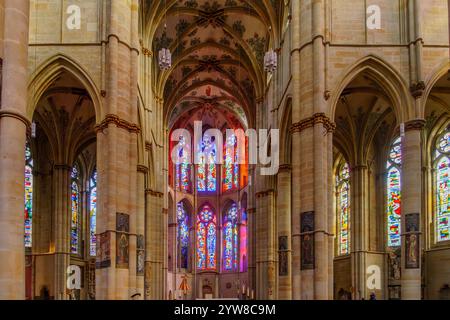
column 393, row 183
column 206, row 169
column 206, row 239
column 343, row 207
column 75, row 211
column 93, row 214
column 183, row 236
column 243, row 243
column 28, row 197
column 183, row 168
column 231, row 166
column 230, row 239
column 443, row 188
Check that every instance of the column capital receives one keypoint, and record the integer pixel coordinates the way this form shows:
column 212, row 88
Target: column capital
column 317, row 118
column 154, row 193
column 120, row 123
column 415, row 125
column 142, row 168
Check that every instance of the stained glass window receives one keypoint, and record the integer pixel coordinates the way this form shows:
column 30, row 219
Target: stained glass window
column 393, row 183
column 231, row 166
column 93, row 214
column 206, row 169
column 28, row 197
column 443, row 188
column 343, row 207
column 183, row 168
column 206, row 239
column 230, row 239
column 75, row 210
column 182, row 235
column 243, row 244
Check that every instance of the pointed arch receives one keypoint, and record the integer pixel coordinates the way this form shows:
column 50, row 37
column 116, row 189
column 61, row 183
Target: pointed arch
column 43, row 77
column 393, row 84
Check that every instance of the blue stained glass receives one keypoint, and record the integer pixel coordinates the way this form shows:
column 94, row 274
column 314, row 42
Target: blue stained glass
column 206, row 239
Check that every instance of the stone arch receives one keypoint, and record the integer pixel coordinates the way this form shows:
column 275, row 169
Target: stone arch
column 49, row 71
column 387, row 77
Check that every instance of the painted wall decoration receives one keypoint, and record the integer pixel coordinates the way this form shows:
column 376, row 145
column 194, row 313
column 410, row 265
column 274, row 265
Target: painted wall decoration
column 122, row 250
column 283, row 267
column 104, row 251
column 122, row 222
column 307, row 240
column 140, row 255
column 412, row 251
column 91, row 279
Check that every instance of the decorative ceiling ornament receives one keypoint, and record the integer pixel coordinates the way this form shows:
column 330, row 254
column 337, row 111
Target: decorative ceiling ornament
column 270, row 61
column 165, row 59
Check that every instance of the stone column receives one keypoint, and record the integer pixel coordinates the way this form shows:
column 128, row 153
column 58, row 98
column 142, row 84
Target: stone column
column 140, row 224
column 411, row 224
column 61, row 226
column 284, row 233
column 359, row 225
column 265, row 245
column 296, row 150
column 13, row 124
column 154, row 260
column 117, row 152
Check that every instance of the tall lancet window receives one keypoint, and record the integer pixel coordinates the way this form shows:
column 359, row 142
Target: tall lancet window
column 75, row 211
column 182, row 235
column 442, row 193
column 393, row 186
column 206, row 169
column 93, row 214
column 183, row 168
column 206, row 239
column 244, row 241
column 28, row 197
column 343, row 208
column 230, row 239
column 231, row 166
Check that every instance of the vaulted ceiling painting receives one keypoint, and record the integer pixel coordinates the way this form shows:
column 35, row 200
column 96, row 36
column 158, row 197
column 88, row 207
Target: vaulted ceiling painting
column 217, row 51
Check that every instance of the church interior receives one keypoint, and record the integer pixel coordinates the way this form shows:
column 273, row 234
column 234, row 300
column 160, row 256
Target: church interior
column 350, row 101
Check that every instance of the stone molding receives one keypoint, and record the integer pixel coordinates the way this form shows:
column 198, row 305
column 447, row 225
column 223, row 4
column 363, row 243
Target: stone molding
column 141, row 168
column 417, row 89
column 15, row 115
column 263, row 194
column 285, row 168
column 120, row 123
column 318, row 118
column 418, row 125
column 154, row 193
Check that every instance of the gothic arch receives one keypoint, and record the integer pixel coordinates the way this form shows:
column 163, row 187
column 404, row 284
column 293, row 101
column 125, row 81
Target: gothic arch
column 49, row 71
column 384, row 75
